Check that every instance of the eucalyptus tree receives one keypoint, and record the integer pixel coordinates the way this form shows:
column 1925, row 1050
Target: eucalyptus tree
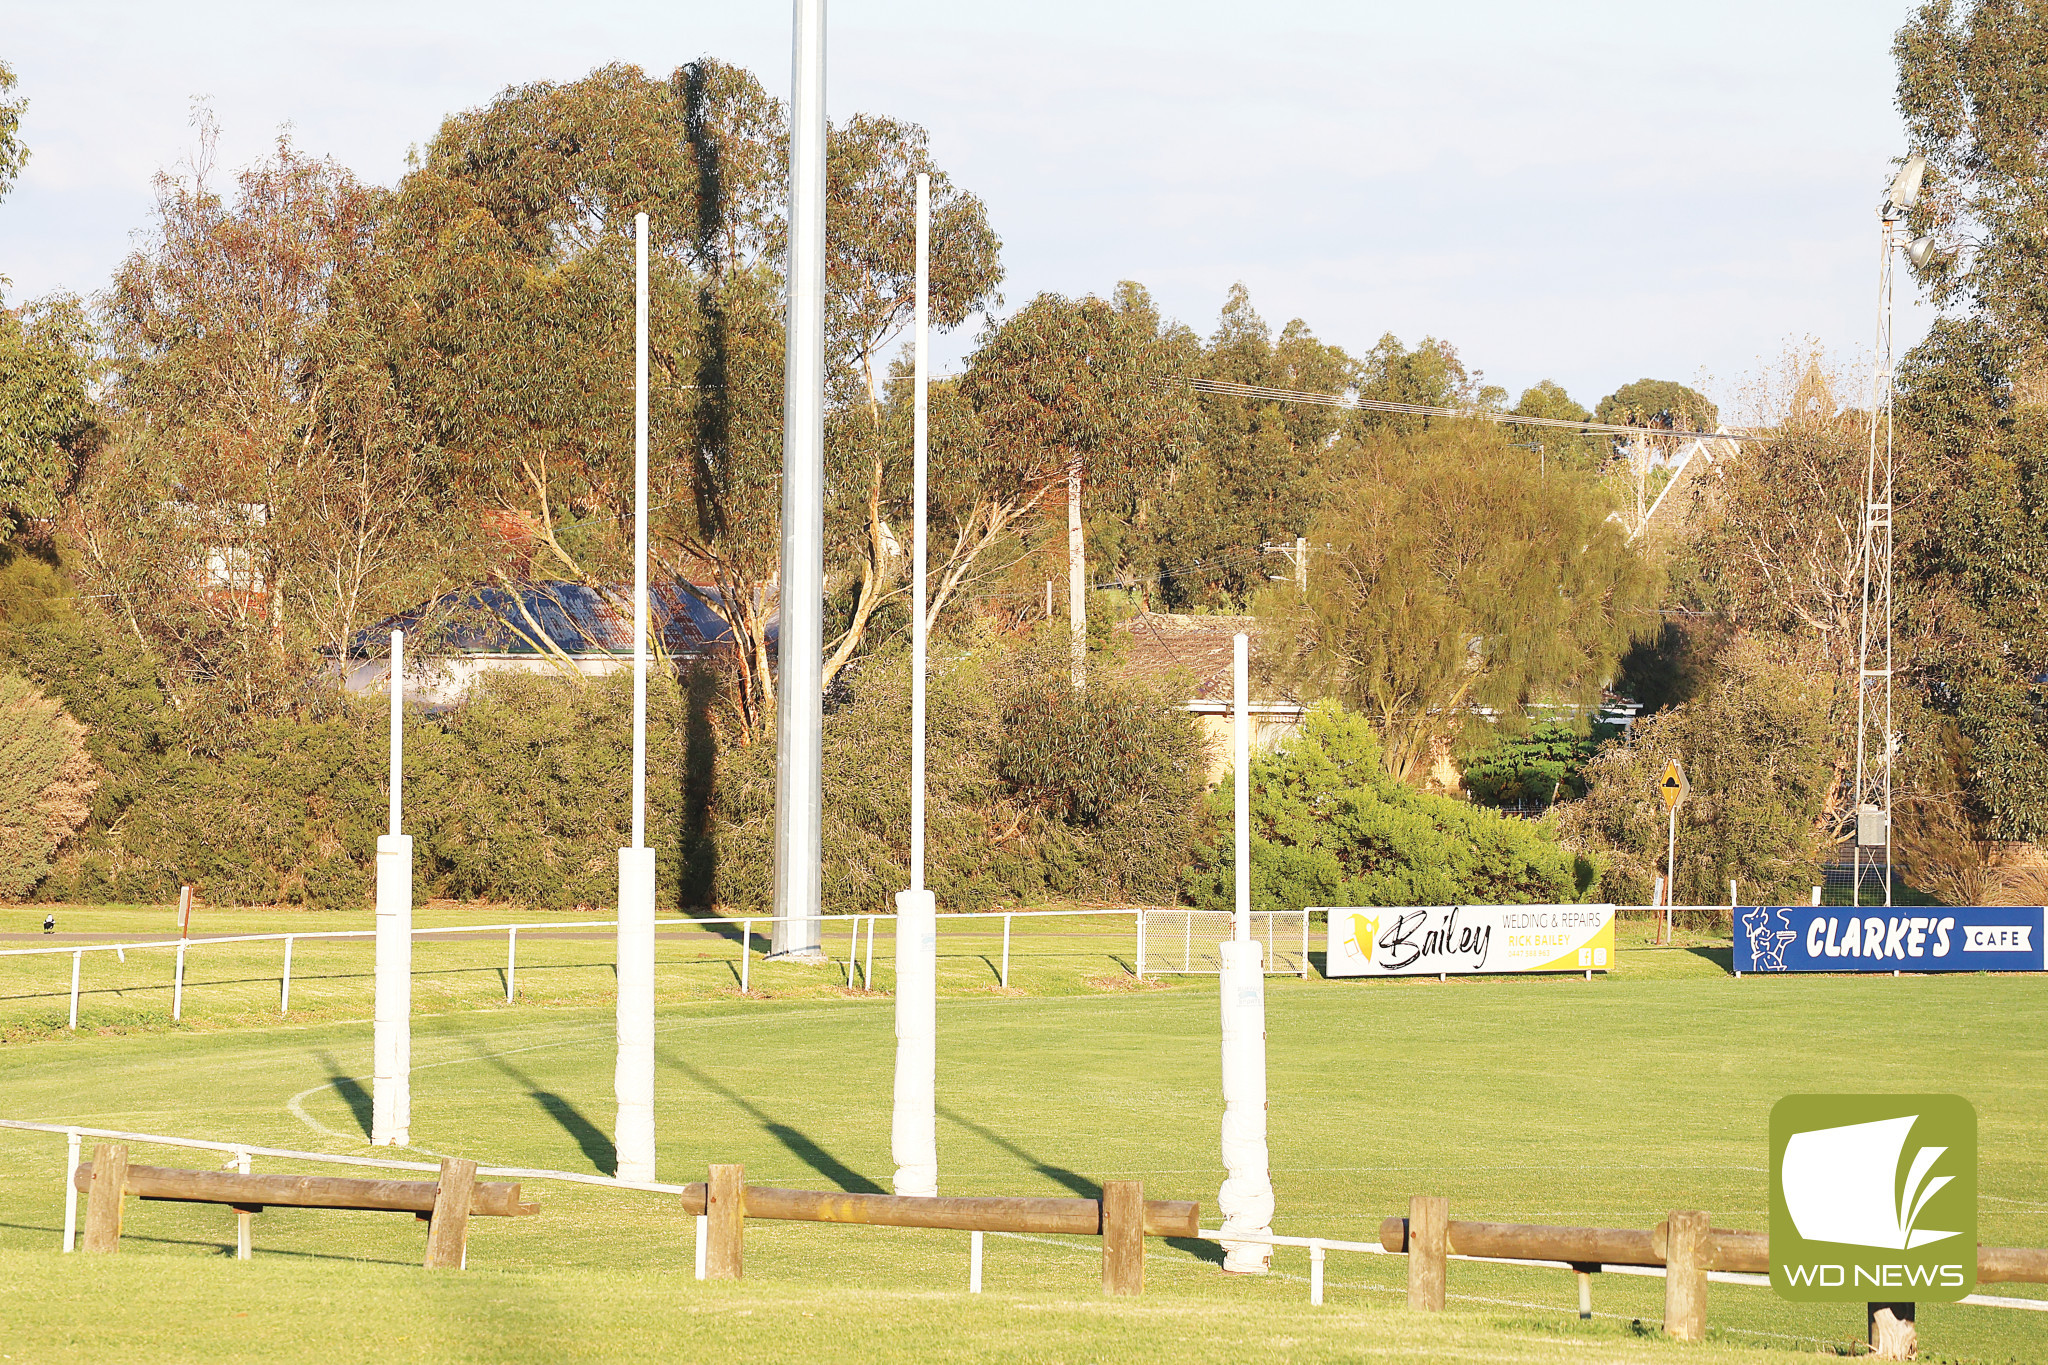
column 13, row 154
column 1457, row 577
column 1080, row 389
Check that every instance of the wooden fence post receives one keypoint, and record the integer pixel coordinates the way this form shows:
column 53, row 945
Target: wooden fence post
column 1429, row 1244
column 1893, row 1335
column 1123, row 1237
column 725, row 1205
column 448, row 1225
column 103, row 1204
column 1688, row 1245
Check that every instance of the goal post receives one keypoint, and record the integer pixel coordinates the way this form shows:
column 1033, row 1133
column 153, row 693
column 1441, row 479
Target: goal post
column 1181, row 942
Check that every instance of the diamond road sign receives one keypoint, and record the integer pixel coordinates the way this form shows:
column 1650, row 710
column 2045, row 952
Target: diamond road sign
column 1672, row 786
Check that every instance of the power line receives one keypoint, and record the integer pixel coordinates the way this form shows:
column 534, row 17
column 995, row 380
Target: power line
column 1335, row 400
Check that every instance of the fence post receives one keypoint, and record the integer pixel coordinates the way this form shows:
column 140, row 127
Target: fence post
column 284, row 985
column 511, row 959
column 75, row 959
column 448, row 1226
column 242, row 1214
column 1141, row 942
column 1429, row 1237
column 725, row 1204
column 1123, row 1237
column 853, row 954
column 1304, row 944
column 178, row 987
column 71, row 1190
column 746, row 955
column 1006, row 953
column 1687, row 1247
column 703, row 1239
column 1316, row 1252
column 103, row 1202
column 867, row 974
column 1893, row 1335
column 974, row 1263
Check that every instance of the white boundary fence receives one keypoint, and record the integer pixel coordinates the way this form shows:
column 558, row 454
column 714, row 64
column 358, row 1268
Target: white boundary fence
column 242, row 1153
column 859, row 967
column 1176, row 941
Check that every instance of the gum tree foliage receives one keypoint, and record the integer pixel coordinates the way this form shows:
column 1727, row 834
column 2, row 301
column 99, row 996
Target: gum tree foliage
column 1077, row 389
column 1431, row 375
column 48, row 422
column 1759, row 745
column 1256, row 474
column 522, row 312
column 262, row 494
column 1972, row 414
column 13, row 153
column 1973, row 87
column 1330, row 826
column 1457, row 576
column 1561, row 449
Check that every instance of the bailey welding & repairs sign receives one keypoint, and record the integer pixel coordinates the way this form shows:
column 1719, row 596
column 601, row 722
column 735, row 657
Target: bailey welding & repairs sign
column 1417, row 940
column 1841, row 938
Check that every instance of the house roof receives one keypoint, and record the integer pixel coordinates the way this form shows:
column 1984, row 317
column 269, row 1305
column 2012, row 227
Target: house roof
column 1162, row 644
column 538, row 617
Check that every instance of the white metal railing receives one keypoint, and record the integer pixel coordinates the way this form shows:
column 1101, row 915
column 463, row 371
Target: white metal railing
column 856, row 969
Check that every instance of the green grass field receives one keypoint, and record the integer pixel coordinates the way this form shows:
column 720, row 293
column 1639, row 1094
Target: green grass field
column 1544, row 1100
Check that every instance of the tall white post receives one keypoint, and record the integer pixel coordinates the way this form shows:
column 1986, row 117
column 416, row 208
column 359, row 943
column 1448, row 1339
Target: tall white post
column 633, row 1080
column 913, row 1128
column 1246, row 1198
column 799, row 714
column 391, row 1037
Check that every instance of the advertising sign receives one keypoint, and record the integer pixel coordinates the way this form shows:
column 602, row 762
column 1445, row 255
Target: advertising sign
column 1873, row 1197
column 1416, row 940
column 1842, row 938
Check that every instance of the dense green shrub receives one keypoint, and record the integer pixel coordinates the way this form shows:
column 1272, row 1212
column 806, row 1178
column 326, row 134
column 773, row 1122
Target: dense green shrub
column 1543, row 767
column 46, row 782
column 1331, row 827
column 522, row 792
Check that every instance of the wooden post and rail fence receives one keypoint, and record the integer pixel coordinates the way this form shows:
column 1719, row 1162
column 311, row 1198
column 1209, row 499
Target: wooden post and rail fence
column 1686, row 1245
column 1123, row 1218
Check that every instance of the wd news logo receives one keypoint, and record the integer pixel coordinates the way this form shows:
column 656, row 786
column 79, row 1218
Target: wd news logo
column 1873, row 1197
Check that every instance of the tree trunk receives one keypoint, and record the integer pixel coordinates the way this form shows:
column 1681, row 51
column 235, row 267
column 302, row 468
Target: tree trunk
column 1077, row 581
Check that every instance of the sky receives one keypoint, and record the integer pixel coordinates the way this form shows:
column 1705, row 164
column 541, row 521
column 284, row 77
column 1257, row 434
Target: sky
column 1587, row 192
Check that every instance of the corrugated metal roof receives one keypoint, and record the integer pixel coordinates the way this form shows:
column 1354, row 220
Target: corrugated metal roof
column 574, row 618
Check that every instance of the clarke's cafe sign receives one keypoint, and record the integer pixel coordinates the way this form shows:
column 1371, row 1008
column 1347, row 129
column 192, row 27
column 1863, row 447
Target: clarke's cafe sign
column 1841, row 938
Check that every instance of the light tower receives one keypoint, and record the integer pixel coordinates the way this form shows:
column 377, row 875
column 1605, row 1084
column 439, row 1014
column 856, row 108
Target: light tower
column 1876, row 739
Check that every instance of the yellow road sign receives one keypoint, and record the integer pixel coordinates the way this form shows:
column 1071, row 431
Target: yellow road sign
column 1672, row 786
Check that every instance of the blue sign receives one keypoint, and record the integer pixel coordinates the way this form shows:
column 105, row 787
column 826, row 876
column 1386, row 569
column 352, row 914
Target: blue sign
column 1841, row 938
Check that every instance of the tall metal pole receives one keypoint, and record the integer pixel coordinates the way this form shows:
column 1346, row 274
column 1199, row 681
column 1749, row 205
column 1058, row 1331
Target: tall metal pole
column 920, row 356
column 913, row 1125
column 633, row 1079
column 799, row 699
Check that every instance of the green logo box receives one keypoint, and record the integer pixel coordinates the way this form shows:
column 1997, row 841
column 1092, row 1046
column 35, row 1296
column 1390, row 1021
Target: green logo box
column 1873, row 1198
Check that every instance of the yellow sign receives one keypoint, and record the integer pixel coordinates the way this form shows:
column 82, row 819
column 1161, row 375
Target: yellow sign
column 1672, row 786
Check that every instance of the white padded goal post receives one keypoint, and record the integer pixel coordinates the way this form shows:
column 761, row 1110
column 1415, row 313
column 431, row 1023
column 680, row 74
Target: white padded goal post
column 1177, row 942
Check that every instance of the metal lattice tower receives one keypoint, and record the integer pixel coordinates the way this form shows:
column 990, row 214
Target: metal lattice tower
column 1876, row 738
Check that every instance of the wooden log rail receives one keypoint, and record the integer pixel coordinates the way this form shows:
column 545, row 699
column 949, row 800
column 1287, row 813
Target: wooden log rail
column 1123, row 1218
column 446, row 1205
column 1684, row 1244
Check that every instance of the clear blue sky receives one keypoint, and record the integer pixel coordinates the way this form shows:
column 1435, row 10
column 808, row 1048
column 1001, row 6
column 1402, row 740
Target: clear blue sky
column 1591, row 192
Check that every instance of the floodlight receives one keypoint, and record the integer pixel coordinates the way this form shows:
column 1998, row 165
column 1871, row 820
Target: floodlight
column 1920, row 251
column 1905, row 188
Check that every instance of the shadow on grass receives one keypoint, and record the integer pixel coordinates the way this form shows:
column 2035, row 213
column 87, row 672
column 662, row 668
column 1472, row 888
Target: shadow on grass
column 591, row 1140
column 1724, row 958
column 798, row 1143
column 361, row 1106
column 1073, row 1180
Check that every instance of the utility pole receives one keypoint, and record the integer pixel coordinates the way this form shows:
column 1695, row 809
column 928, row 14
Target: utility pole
column 799, row 713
